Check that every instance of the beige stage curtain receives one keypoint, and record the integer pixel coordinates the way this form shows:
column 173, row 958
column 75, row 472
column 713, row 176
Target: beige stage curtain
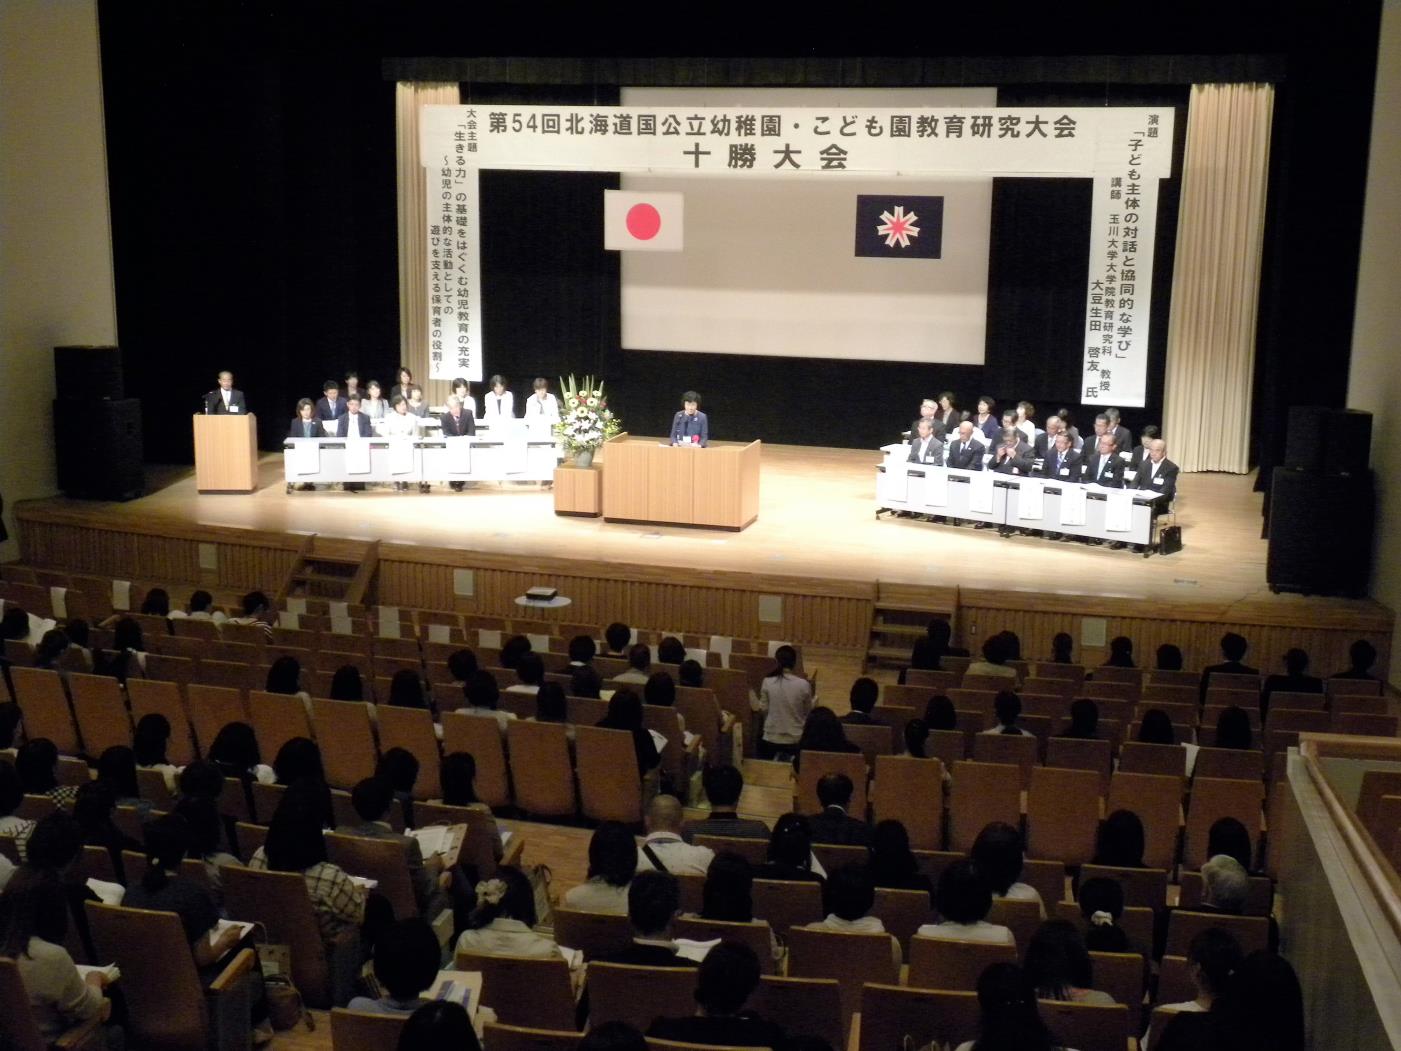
column 413, row 271
column 1216, row 277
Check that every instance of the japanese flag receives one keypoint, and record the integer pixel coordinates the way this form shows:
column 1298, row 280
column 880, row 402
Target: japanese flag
column 646, row 222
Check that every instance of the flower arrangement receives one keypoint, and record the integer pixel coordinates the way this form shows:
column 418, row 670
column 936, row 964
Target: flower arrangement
column 585, row 420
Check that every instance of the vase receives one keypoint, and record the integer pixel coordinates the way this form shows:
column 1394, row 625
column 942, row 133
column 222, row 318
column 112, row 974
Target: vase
column 584, row 458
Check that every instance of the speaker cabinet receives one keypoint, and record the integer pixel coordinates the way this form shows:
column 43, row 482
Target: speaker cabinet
column 1320, row 532
column 88, row 372
column 97, row 445
column 1334, row 441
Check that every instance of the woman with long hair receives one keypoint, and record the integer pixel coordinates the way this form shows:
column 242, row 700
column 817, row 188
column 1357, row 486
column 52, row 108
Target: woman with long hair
column 785, row 699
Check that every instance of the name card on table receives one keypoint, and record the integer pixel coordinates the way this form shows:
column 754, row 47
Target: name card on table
column 1072, row 505
column 1118, row 511
column 1031, row 500
column 459, row 454
column 980, row 492
column 936, row 487
column 306, row 456
column 400, row 455
column 357, row 456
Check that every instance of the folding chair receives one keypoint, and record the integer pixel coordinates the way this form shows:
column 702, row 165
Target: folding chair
column 541, row 771
column 277, row 718
column 911, row 791
column 786, row 904
column 982, row 793
column 1087, row 1027
column 802, row 1006
column 480, row 738
column 1017, row 750
column 365, row 1031
column 942, row 963
column 1062, row 813
column 756, row 934
column 40, row 694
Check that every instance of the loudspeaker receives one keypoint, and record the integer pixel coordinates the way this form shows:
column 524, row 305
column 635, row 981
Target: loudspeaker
column 88, row 372
column 1320, row 532
column 1334, row 441
column 98, row 448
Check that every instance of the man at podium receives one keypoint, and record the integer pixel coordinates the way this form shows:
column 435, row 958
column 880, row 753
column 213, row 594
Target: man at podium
column 690, row 426
column 223, row 399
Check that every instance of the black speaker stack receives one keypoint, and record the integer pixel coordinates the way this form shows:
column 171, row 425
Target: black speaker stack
column 1323, row 504
column 97, row 432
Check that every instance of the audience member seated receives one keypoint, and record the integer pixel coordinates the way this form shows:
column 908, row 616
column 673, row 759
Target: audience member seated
column 1059, row 965
column 49, row 653
column 892, row 865
column 1102, row 905
column 692, row 674
column 457, row 777
column 1119, row 842
column 864, row 694
column 1261, row 1009
column 1156, row 728
column 1008, row 708
column 929, row 652
column 202, row 818
column 653, row 901
column 1233, row 648
column 998, row 857
column 1084, row 720
column 512, row 650
column 612, row 865
column 850, row 897
column 9, row 725
column 1225, row 890
column 399, row 767
column 199, row 608
column 822, row 732
column 1062, row 648
column 625, row 713
column 1294, row 679
column 55, row 848
column 660, row 690
column 373, row 799
column 727, row 978
column 33, row 928
column 617, row 637
column 462, row 665
column 1361, row 656
column 201, row 779
column 1228, row 836
column 834, row 825
column 917, row 739
column 995, row 658
column 299, row 758
column 503, row 922
column 127, row 657
column 116, row 767
column 963, row 901
column 785, row 700
column 1169, row 658
column 1120, row 652
column 552, row 706
column 482, row 696
column 149, row 743
column 405, row 966
column 585, row 682
column 235, row 753
column 1212, row 957
column 1009, row 1016
column 93, row 810
column 663, row 849
column 1233, row 729
column 671, row 650
column 940, row 714
column 440, row 1023
column 790, row 852
column 639, row 665
column 347, row 685
column 37, row 766
column 285, row 677
column 406, row 690
column 986, row 419
column 531, row 673
column 723, row 785
column 11, row 796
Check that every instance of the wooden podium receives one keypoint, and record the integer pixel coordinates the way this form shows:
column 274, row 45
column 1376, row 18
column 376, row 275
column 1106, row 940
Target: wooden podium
column 226, row 453
column 647, row 481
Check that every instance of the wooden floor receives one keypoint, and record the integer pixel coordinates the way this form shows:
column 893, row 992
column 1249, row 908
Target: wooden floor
column 817, row 518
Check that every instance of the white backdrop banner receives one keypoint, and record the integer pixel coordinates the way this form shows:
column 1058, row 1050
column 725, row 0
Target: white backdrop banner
column 1124, row 150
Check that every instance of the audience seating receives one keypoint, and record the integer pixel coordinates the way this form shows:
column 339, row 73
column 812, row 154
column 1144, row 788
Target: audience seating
column 802, row 1006
column 911, row 791
column 1087, row 1027
column 383, row 860
column 639, row 995
column 595, row 934
column 1142, row 887
column 46, row 713
column 277, row 718
column 897, row 1016
column 1212, row 799
column 100, row 710
column 902, row 912
column 938, row 963
column 787, row 904
column 982, row 792
column 1017, row 750
column 524, row 991
column 1252, row 932
column 852, row 959
column 814, row 765
column 346, row 735
column 1258, row 901
column 1157, row 800
column 412, row 730
column 1062, row 813
column 1021, row 917
column 756, row 934
column 540, row 769
column 20, row 1032
column 755, row 851
column 523, row 1038
column 364, row 1031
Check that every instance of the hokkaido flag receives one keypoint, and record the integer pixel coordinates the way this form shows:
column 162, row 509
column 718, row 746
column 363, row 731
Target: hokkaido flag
column 647, row 222
column 899, row 227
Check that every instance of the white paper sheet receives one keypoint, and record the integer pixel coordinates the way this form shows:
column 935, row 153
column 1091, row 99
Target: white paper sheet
column 121, row 594
column 515, row 454
column 110, row 893
column 296, row 605
column 401, row 455
column 342, row 625
column 936, row 487
column 698, row 655
column 722, row 644
column 459, row 456
column 1072, row 505
column 897, row 480
column 488, row 639
column 439, row 633
column 539, row 643
column 389, row 622
column 1030, row 500
column 774, row 645
column 340, row 609
column 980, row 492
column 1118, row 511
column 287, row 619
column 58, row 599
column 306, row 456
column 357, row 456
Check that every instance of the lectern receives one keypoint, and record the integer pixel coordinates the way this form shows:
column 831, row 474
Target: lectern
column 226, row 453
column 645, row 480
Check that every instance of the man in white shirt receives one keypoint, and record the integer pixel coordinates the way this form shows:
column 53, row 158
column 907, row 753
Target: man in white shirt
column 664, row 850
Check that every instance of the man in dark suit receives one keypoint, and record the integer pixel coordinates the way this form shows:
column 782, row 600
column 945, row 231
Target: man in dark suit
column 924, row 447
column 1104, row 467
column 1123, row 437
column 1233, row 648
column 1062, row 463
column 864, row 694
column 723, row 785
column 1013, row 454
column 965, row 452
column 653, row 900
column 1140, row 451
column 353, row 420
column 372, row 799
column 690, row 426
column 727, row 979
column 457, row 421
column 1046, row 440
column 330, row 406
column 929, row 410
column 834, row 824
column 224, row 400
column 1157, row 474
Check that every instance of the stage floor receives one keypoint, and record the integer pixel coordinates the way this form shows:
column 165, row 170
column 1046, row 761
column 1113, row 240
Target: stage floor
column 816, row 519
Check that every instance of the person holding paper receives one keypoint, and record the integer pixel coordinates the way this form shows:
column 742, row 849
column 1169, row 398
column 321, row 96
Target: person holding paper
column 373, row 798
column 965, row 453
column 224, row 400
column 690, row 426
column 1158, row 474
column 498, row 403
column 924, row 447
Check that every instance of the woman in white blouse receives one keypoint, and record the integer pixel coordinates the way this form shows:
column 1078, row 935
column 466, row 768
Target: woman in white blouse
column 498, row 403
column 542, row 404
column 963, row 901
column 463, row 390
column 503, row 922
column 400, row 423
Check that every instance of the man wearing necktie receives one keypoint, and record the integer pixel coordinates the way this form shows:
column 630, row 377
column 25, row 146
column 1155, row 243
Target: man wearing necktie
column 965, row 453
column 224, row 400
column 1158, row 474
column 1105, row 467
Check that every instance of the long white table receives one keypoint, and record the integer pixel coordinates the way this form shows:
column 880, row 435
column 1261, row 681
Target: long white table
column 416, row 460
column 1077, row 509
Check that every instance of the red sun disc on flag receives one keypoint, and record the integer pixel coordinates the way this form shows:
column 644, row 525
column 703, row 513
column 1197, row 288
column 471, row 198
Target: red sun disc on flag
column 643, row 221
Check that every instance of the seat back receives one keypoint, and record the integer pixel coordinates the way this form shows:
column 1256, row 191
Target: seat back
column 1082, row 754
column 1236, row 764
column 833, row 856
column 903, row 912
column 150, row 784
column 250, row 838
column 1258, row 902
column 154, row 697
column 1012, row 749
column 1215, row 798
column 639, row 995
column 479, row 848
column 212, row 708
column 941, row 963
column 1142, row 887
column 698, row 706
column 911, row 791
column 895, row 1016
column 1121, row 975
column 982, row 792
column 851, row 959
column 347, row 740
column 524, row 990
column 384, row 860
column 664, row 721
column 101, row 712
column 786, row 904
column 500, row 1037
column 1020, row 917
column 46, row 713
column 364, row 1030
column 610, row 788
column 1062, row 813
column 1252, row 932
column 814, row 765
column 595, row 934
column 281, row 903
column 1087, row 1027
column 541, row 773
column 802, row 1006
column 1047, row 876
column 412, row 730
column 481, row 739
column 1136, row 757
column 873, row 740
column 277, row 718
column 757, row 935
column 1157, row 800
column 754, row 851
